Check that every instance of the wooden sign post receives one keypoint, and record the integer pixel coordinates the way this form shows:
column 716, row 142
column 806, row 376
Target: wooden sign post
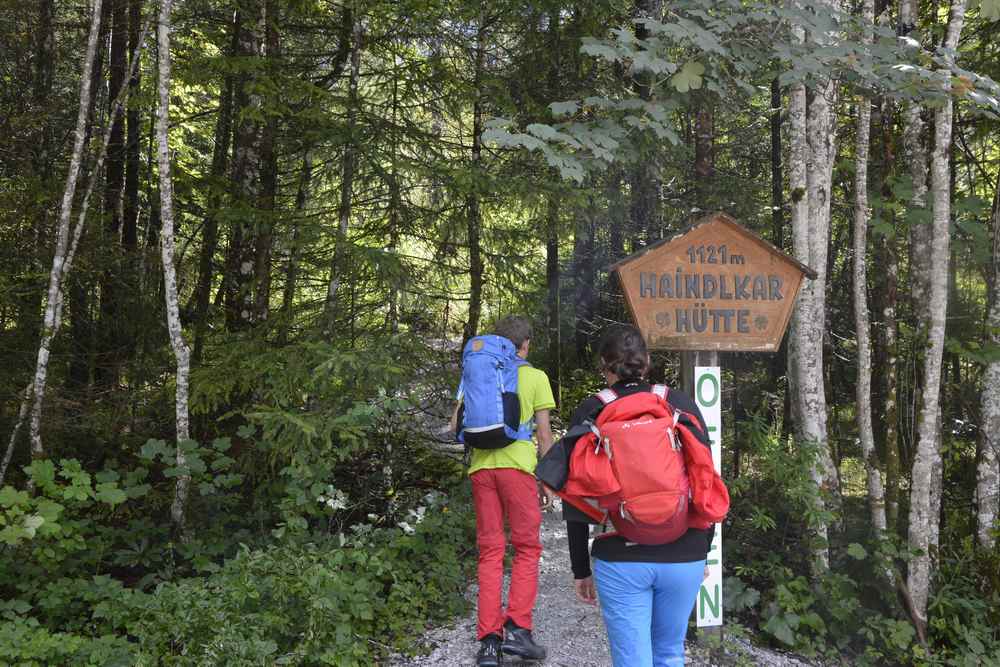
column 716, row 287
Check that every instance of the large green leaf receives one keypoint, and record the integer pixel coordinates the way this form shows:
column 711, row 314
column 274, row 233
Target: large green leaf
column 689, row 78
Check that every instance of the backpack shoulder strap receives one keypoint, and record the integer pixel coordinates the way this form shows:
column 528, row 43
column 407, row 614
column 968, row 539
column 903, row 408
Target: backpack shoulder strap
column 660, row 390
column 606, row 396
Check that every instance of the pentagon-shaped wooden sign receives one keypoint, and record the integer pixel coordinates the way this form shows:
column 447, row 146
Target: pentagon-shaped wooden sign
column 716, row 286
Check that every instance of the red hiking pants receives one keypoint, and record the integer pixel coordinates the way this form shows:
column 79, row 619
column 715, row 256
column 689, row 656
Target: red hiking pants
column 510, row 493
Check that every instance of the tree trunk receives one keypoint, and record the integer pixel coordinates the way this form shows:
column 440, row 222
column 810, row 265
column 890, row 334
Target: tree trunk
column 552, row 300
column 863, row 412
column 29, row 305
column 812, row 155
column 131, row 294
column 241, row 256
column 916, row 153
column 926, row 464
column 108, row 366
column 181, row 352
column 643, row 177
column 269, row 176
column 988, row 472
column 777, row 186
column 887, row 291
column 348, row 166
column 473, row 214
column 210, row 230
column 584, row 282
column 292, row 272
column 62, row 257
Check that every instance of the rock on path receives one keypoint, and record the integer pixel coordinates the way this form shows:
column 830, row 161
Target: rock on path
column 572, row 632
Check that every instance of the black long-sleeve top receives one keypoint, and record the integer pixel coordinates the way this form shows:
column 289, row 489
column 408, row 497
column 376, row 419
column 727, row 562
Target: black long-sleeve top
column 692, row 545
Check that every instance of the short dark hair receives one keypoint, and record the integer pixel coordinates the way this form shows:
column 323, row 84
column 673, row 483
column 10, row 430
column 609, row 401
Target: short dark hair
column 623, row 352
column 515, row 328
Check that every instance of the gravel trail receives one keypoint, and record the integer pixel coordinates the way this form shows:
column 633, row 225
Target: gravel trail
column 572, row 632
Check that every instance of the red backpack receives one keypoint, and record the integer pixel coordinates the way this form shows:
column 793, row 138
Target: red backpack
column 644, row 468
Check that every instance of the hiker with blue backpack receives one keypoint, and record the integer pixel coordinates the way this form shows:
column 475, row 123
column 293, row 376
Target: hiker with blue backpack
column 502, row 400
column 637, row 456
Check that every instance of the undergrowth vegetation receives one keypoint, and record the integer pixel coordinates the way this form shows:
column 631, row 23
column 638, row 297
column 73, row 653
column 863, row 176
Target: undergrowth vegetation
column 856, row 612
column 322, row 530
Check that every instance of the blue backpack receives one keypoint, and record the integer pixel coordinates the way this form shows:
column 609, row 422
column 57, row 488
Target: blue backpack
column 490, row 415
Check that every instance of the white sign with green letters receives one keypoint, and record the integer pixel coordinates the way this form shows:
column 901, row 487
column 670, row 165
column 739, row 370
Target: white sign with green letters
column 708, row 396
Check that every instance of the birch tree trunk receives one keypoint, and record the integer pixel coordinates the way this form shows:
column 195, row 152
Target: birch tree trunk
column 988, row 471
column 914, row 145
column 812, row 152
column 926, row 464
column 863, row 411
column 60, row 259
column 181, row 353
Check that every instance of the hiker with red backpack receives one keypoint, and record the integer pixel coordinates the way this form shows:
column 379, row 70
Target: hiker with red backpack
column 501, row 401
column 636, row 456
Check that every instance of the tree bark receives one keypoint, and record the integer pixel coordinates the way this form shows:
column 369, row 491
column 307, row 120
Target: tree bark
column 988, row 469
column 180, row 349
column 812, row 155
column 584, row 282
column 348, row 166
column 241, row 257
column 210, row 230
column 62, row 257
column 473, row 214
column 292, row 272
column 108, row 366
column 552, row 299
column 863, row 412
column 29, row 305
column 268, row 177
column 887, row 296
column 916, row 151
column 926, row 464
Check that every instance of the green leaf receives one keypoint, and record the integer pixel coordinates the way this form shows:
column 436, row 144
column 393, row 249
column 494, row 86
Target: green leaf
column 564, row 108
column 593, row 47
column 856, row 551
column 779, row 628
column 109, row 493
column 153, row 448
column 9, row 497
column 32, row 524
column 689, row 78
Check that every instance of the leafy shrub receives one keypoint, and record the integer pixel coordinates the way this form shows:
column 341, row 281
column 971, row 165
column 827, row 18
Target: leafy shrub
column 341, row 599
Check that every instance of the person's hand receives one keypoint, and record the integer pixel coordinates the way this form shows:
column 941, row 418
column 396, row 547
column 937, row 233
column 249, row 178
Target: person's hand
column 705, row 575
column 585, row 590
column 548, row 496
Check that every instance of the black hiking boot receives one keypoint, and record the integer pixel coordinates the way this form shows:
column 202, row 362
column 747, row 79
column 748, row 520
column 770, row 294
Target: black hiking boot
column 517, row 641
column 489, row 652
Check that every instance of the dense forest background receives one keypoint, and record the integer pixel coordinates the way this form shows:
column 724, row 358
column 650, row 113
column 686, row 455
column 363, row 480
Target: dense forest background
column 243, row 242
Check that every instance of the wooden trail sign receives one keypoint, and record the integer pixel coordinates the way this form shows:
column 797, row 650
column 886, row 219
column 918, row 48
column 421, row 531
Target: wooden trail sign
column 716, row 286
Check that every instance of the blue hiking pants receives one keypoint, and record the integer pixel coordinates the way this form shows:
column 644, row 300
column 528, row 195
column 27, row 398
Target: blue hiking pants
column 646, row 607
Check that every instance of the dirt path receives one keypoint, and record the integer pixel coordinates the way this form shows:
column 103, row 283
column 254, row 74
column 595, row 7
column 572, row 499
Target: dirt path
column 572, row 631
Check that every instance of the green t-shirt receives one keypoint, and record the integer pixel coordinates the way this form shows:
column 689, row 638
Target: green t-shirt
column 535, row 394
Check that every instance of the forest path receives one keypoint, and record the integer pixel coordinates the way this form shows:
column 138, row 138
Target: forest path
column 572, row 632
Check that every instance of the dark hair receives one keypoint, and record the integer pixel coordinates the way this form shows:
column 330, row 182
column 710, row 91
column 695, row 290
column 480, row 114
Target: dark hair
column 623, row 352
column 515, row 328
